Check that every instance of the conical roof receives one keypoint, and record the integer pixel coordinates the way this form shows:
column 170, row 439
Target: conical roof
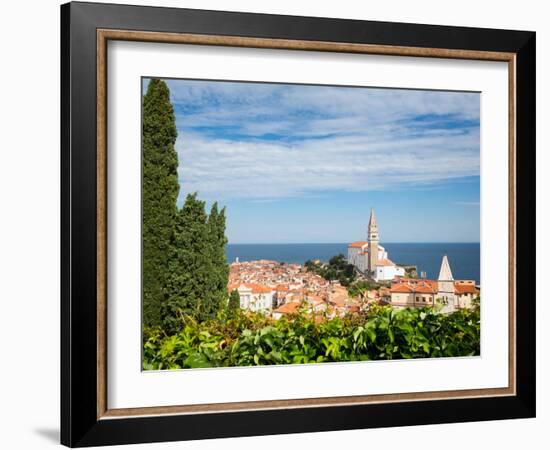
column 372, row 220
column 445, row 273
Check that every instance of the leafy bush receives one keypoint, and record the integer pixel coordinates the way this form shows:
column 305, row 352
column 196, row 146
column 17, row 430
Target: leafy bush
column 248, row 339
column 336, row 269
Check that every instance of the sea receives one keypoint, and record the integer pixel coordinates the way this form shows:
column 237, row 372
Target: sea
column 464, row 258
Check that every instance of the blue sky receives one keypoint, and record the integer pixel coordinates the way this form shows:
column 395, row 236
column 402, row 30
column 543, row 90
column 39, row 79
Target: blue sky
column 296, row 163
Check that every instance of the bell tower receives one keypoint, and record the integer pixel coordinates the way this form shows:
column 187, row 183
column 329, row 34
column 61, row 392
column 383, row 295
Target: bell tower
column 373, row 239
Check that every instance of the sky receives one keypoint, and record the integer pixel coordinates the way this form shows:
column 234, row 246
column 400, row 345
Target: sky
column 305, row 164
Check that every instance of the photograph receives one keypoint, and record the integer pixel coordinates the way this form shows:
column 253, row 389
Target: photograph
column 300, row 223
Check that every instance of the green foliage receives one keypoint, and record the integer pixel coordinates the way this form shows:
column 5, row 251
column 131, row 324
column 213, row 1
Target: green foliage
column 189, row 265
column 198, row 268
column 336, row 269
column 219, row 269
column 160, row 191
column 184, row 266
column 360, row 287
column 248, row 339
column 234, row 304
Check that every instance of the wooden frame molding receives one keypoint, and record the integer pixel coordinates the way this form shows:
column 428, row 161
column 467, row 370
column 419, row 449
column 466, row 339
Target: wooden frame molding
column 103, row 36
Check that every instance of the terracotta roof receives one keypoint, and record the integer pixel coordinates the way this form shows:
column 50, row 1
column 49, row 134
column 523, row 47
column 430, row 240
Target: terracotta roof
column 400, row 279
column 433, row 284
column 415, row 282
column 358, row 244
column 338, row 296
column 420, row 286
column 424, row 288
column 287, row 308
column 465, row 288
column 402, row 288
column 314, row 299
column 259, row 288
column 255, row 288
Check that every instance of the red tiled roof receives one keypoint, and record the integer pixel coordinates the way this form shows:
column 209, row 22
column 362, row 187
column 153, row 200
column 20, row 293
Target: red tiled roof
column 433, row 284
column 465, row 288
column 358, row 244
column 287, row 308
column 255, row 288
column 259, row 288
column 424, row 289
column 402, row 288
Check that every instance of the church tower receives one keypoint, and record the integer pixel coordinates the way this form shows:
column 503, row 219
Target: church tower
column 446, row 284
column 373, row 239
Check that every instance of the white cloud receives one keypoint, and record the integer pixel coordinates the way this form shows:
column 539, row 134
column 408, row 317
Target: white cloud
column 325, row 139
column 232, row 169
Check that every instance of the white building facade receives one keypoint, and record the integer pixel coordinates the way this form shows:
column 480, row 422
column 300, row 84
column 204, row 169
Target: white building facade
column 254, row 297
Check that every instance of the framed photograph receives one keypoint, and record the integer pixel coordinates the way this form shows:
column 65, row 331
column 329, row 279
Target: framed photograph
column 277, row 224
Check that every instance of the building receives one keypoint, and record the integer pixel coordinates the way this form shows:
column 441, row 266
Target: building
column 287, row 308
column 254, row 297
column 370, row 258
column 452, row 294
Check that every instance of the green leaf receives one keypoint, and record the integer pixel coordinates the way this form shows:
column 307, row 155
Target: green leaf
column 196, row 361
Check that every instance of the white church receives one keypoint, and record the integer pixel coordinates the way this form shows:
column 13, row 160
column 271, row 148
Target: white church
column 371, row 258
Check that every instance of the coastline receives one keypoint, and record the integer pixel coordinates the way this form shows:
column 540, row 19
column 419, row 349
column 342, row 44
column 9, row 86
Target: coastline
column 464, row 257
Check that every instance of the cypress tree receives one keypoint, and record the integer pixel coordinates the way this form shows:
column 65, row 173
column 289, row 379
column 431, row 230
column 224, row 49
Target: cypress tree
column 234, row 303
column 220, row 268
column 160, row 191
column 190, row 266
column 199, row 271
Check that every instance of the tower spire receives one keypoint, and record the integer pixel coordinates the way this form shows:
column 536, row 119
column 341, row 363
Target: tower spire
column 373, row 227
column 446, row 286
column 373, row 239
column 445, row 273
column 372, row 220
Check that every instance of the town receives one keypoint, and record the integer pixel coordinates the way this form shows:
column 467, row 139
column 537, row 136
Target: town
column 278, row 289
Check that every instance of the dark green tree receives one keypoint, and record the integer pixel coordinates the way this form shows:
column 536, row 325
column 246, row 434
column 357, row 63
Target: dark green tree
column 234, row 303
column 160, row 191
column 198, row 268
column 190, row 265
column 217, row 293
